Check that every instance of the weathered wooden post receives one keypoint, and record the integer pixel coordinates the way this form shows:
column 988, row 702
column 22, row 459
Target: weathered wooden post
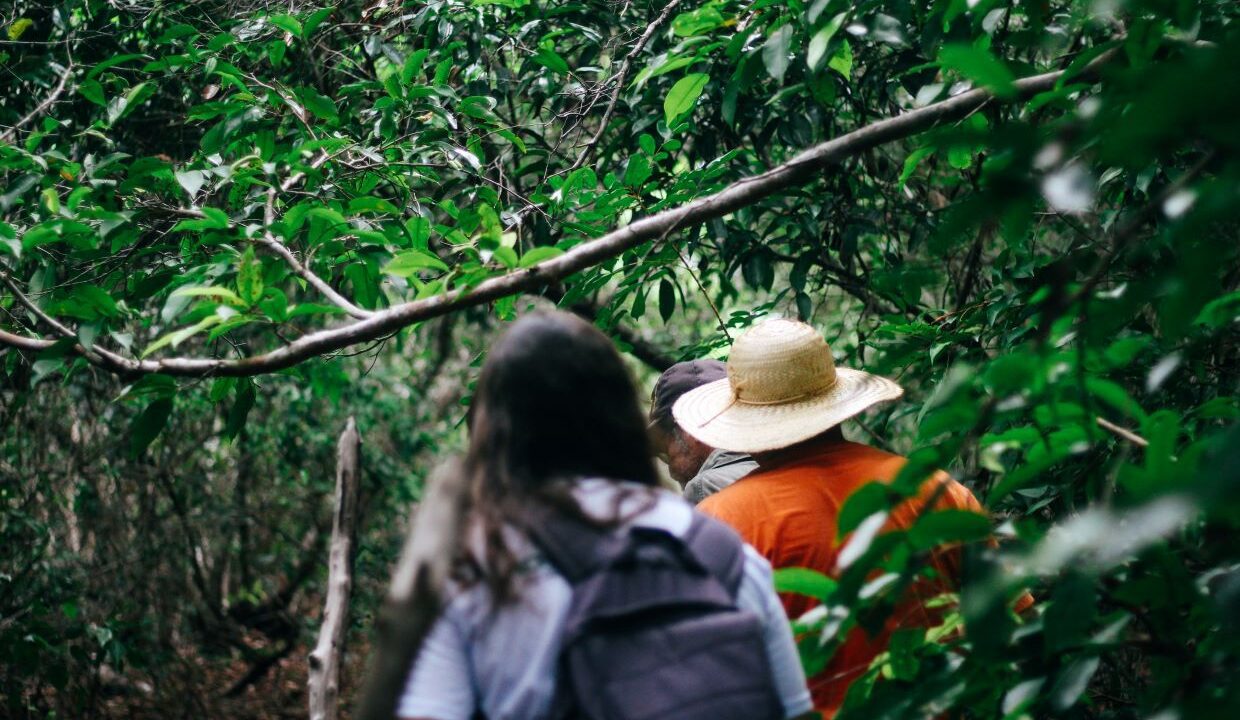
column 324, row 680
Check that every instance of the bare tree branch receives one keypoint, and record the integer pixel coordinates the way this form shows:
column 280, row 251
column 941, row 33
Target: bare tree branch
column 97, row 355
column 21, row 342
column 747, row 191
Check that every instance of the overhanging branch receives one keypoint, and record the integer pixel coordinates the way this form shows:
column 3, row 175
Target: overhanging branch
column 747, row 191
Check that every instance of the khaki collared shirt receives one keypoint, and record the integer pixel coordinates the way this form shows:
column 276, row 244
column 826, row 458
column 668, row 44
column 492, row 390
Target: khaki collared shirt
column 721, row 469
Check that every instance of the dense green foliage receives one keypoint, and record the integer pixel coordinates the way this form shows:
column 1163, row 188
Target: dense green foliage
column 1053, row 279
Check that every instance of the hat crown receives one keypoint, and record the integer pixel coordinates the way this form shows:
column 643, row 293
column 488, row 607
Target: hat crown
column 780, row 361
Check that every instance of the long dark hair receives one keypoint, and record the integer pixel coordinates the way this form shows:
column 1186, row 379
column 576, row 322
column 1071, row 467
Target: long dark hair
column 554, row 404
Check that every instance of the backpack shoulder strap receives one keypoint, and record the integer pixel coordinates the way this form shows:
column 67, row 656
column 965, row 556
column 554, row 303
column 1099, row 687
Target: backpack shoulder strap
column 574, row 547
column 719, row 549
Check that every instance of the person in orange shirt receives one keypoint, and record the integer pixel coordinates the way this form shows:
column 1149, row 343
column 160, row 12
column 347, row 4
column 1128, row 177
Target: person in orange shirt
column 782, row 402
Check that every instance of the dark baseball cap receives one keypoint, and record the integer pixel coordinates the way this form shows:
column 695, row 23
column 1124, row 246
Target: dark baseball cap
column 678, row 380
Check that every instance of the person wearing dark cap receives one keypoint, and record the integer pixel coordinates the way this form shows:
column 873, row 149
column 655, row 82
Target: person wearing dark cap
column 700, row 469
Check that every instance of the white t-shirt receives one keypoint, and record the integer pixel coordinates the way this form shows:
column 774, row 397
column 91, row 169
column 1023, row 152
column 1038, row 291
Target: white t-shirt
column 502, row 661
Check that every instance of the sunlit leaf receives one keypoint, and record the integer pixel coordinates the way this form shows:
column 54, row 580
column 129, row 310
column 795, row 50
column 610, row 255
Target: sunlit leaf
column 409, row 262
column 683, row 95
column 980, row 66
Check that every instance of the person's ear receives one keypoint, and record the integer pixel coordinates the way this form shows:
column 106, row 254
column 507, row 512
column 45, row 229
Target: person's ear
column 659, row 439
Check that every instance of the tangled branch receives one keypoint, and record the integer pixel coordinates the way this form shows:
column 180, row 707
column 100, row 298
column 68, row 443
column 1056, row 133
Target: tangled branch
column 798, row 171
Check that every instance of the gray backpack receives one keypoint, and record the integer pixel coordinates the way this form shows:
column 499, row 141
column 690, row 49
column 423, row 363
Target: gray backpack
column 653, row 629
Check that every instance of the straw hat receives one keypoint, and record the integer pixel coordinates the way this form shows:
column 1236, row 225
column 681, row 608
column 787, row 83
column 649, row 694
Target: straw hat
column 782, row 387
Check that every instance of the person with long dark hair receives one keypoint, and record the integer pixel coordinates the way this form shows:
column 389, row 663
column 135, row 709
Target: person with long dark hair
column 583, row 589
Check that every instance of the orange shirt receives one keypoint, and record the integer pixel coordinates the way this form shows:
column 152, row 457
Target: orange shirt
column 787, row 509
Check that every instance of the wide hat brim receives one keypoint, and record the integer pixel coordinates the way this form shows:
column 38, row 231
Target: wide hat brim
column 712, row 414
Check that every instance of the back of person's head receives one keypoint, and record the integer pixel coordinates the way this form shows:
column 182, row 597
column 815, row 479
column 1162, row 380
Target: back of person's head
column 555, row 403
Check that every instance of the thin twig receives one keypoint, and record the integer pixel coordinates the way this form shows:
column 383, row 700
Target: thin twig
column 1125, row 433
column 702, row 288
column 269, row 241
column 619, row 81
column 11, row 133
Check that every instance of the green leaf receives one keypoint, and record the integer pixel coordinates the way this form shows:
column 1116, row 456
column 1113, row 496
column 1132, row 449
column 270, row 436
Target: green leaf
column 948, row 526
column 697, row 22
column 212, row 220
column 240, row 410
column 419, row 229
column 288, row 23
column 979, row 66
column 758, row 271
column 1114, row 395
column 112, row 62
column 775, row 52
column 122, row 105
column 409, row 262
column 226, row 326
column 551, row 60
column 533, row 256
column 804, row 581
column 842, row 60
column 314, row 20
column 210, row 291
column 902, row 652
column 177, row 337
column 148, row 424
column 220, row 388
column 191, row 181
column 912, row 161
column 683, row 95
column 319, row 105
column 413, row 66
column 960, row 157
column 93, row 91
column 1072, row 683
column 862, row 503
column 85, row 302
column 478, row 106
column 304, row 309
column 822, row 39
column 250, row 277
column 1220, row 311
column 636, row 171
column 805, row 307
column 370, row 204
column 490, row 229
column 9, row 241
column 667, row 299
column 506, row 257
column 51, row 200
column 19, row 28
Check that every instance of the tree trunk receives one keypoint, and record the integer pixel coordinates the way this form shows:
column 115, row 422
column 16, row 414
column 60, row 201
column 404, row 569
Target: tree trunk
column 324, row 680
column 416, row 595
